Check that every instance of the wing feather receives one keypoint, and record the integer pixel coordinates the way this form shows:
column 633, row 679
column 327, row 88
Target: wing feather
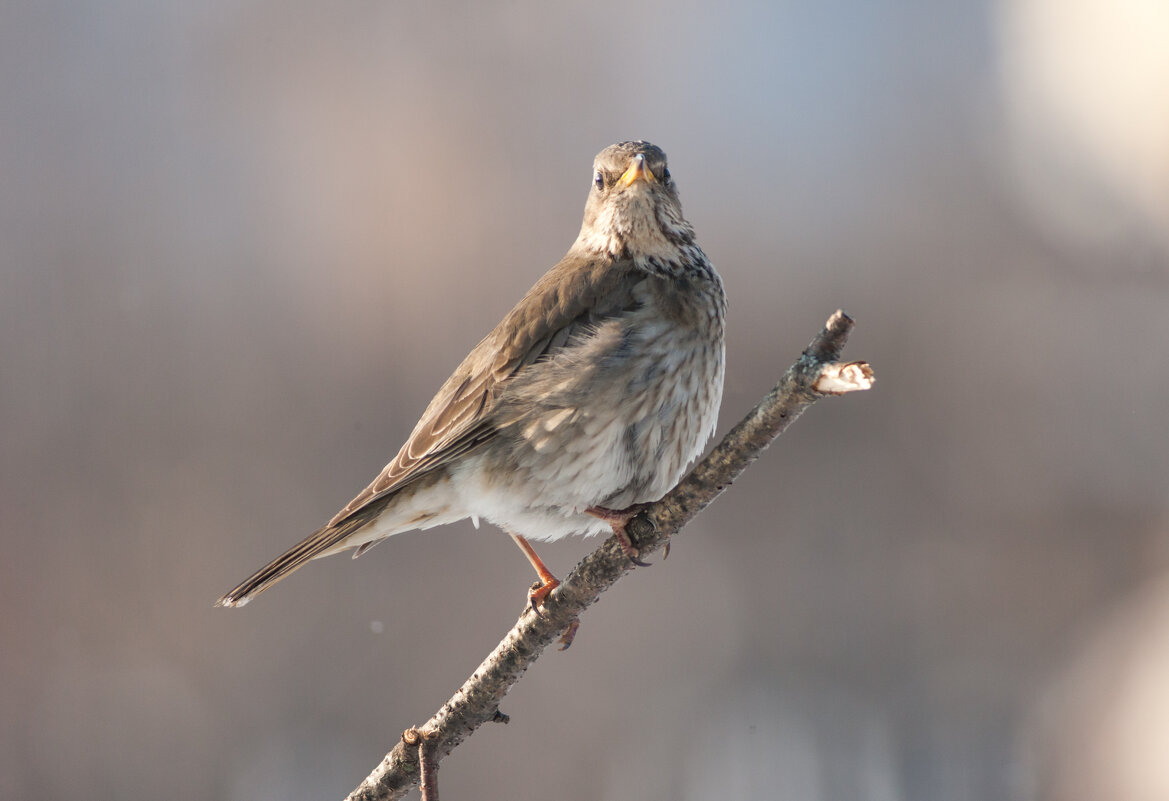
column 570, row 301
column 573, row 296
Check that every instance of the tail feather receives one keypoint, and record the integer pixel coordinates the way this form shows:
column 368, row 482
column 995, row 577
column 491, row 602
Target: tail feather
column 321, row 542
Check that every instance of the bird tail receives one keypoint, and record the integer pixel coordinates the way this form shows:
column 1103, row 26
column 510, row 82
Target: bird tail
column 322, row 542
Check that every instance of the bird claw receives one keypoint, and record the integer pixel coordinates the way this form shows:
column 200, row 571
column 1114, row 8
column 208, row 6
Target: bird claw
column 540, row 591
column 632, row 557
column 569, row 634
column 619, row 519
column 627, row 547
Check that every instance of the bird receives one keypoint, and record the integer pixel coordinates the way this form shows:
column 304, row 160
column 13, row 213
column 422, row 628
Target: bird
column 585, row 403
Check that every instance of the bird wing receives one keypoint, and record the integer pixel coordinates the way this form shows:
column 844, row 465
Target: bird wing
column 576, row 294
column 572, row 298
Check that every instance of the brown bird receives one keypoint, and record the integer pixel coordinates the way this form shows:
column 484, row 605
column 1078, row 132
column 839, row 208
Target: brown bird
column 590, row 398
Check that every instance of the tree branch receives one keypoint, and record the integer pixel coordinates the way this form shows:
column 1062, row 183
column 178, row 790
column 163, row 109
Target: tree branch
column 815, row 374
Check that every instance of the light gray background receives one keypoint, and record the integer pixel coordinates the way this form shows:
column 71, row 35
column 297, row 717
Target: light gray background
column 241, row 244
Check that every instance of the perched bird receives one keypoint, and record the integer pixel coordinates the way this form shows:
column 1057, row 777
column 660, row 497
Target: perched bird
column 590, row 398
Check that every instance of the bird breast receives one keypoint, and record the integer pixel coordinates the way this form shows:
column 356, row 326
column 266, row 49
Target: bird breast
column 614, row 417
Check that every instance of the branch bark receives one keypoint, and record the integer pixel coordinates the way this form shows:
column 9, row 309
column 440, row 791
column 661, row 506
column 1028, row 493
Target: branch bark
column 816, row 374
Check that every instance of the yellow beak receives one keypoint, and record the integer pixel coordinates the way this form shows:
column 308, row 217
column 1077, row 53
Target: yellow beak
column 637, row 170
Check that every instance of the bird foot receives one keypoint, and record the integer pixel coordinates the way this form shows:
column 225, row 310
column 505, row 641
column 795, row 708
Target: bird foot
column 569, row 634
column 619, row 519
column 540, row 591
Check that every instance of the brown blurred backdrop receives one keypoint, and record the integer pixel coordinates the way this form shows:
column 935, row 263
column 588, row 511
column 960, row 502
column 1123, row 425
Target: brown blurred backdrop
column 241, row 244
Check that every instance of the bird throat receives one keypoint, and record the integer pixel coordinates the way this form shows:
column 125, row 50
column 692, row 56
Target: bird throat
column 637, row 229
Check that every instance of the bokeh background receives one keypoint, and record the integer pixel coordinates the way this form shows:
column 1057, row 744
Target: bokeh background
column 241, row 244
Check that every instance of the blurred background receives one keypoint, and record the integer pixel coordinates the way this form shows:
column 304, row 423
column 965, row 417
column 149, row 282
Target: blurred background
column 241, row 245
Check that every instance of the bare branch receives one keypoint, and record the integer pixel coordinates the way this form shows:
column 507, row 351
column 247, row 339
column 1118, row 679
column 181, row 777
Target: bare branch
column 816, row 374
column 427, row 765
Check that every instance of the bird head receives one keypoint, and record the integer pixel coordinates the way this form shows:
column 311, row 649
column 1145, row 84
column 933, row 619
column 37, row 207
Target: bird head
column 633, row 209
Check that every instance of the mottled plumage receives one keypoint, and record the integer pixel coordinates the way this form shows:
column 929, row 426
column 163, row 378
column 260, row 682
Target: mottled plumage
column 595, row 391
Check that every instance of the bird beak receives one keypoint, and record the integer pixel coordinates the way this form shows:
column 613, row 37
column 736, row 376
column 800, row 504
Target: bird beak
column 637, row 170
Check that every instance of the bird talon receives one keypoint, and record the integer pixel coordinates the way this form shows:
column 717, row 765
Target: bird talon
column 619, row 519
column 540, row 591
column 569, row 634
column 627, row 547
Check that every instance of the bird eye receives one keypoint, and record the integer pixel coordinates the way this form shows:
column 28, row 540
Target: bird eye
column 599, row 180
